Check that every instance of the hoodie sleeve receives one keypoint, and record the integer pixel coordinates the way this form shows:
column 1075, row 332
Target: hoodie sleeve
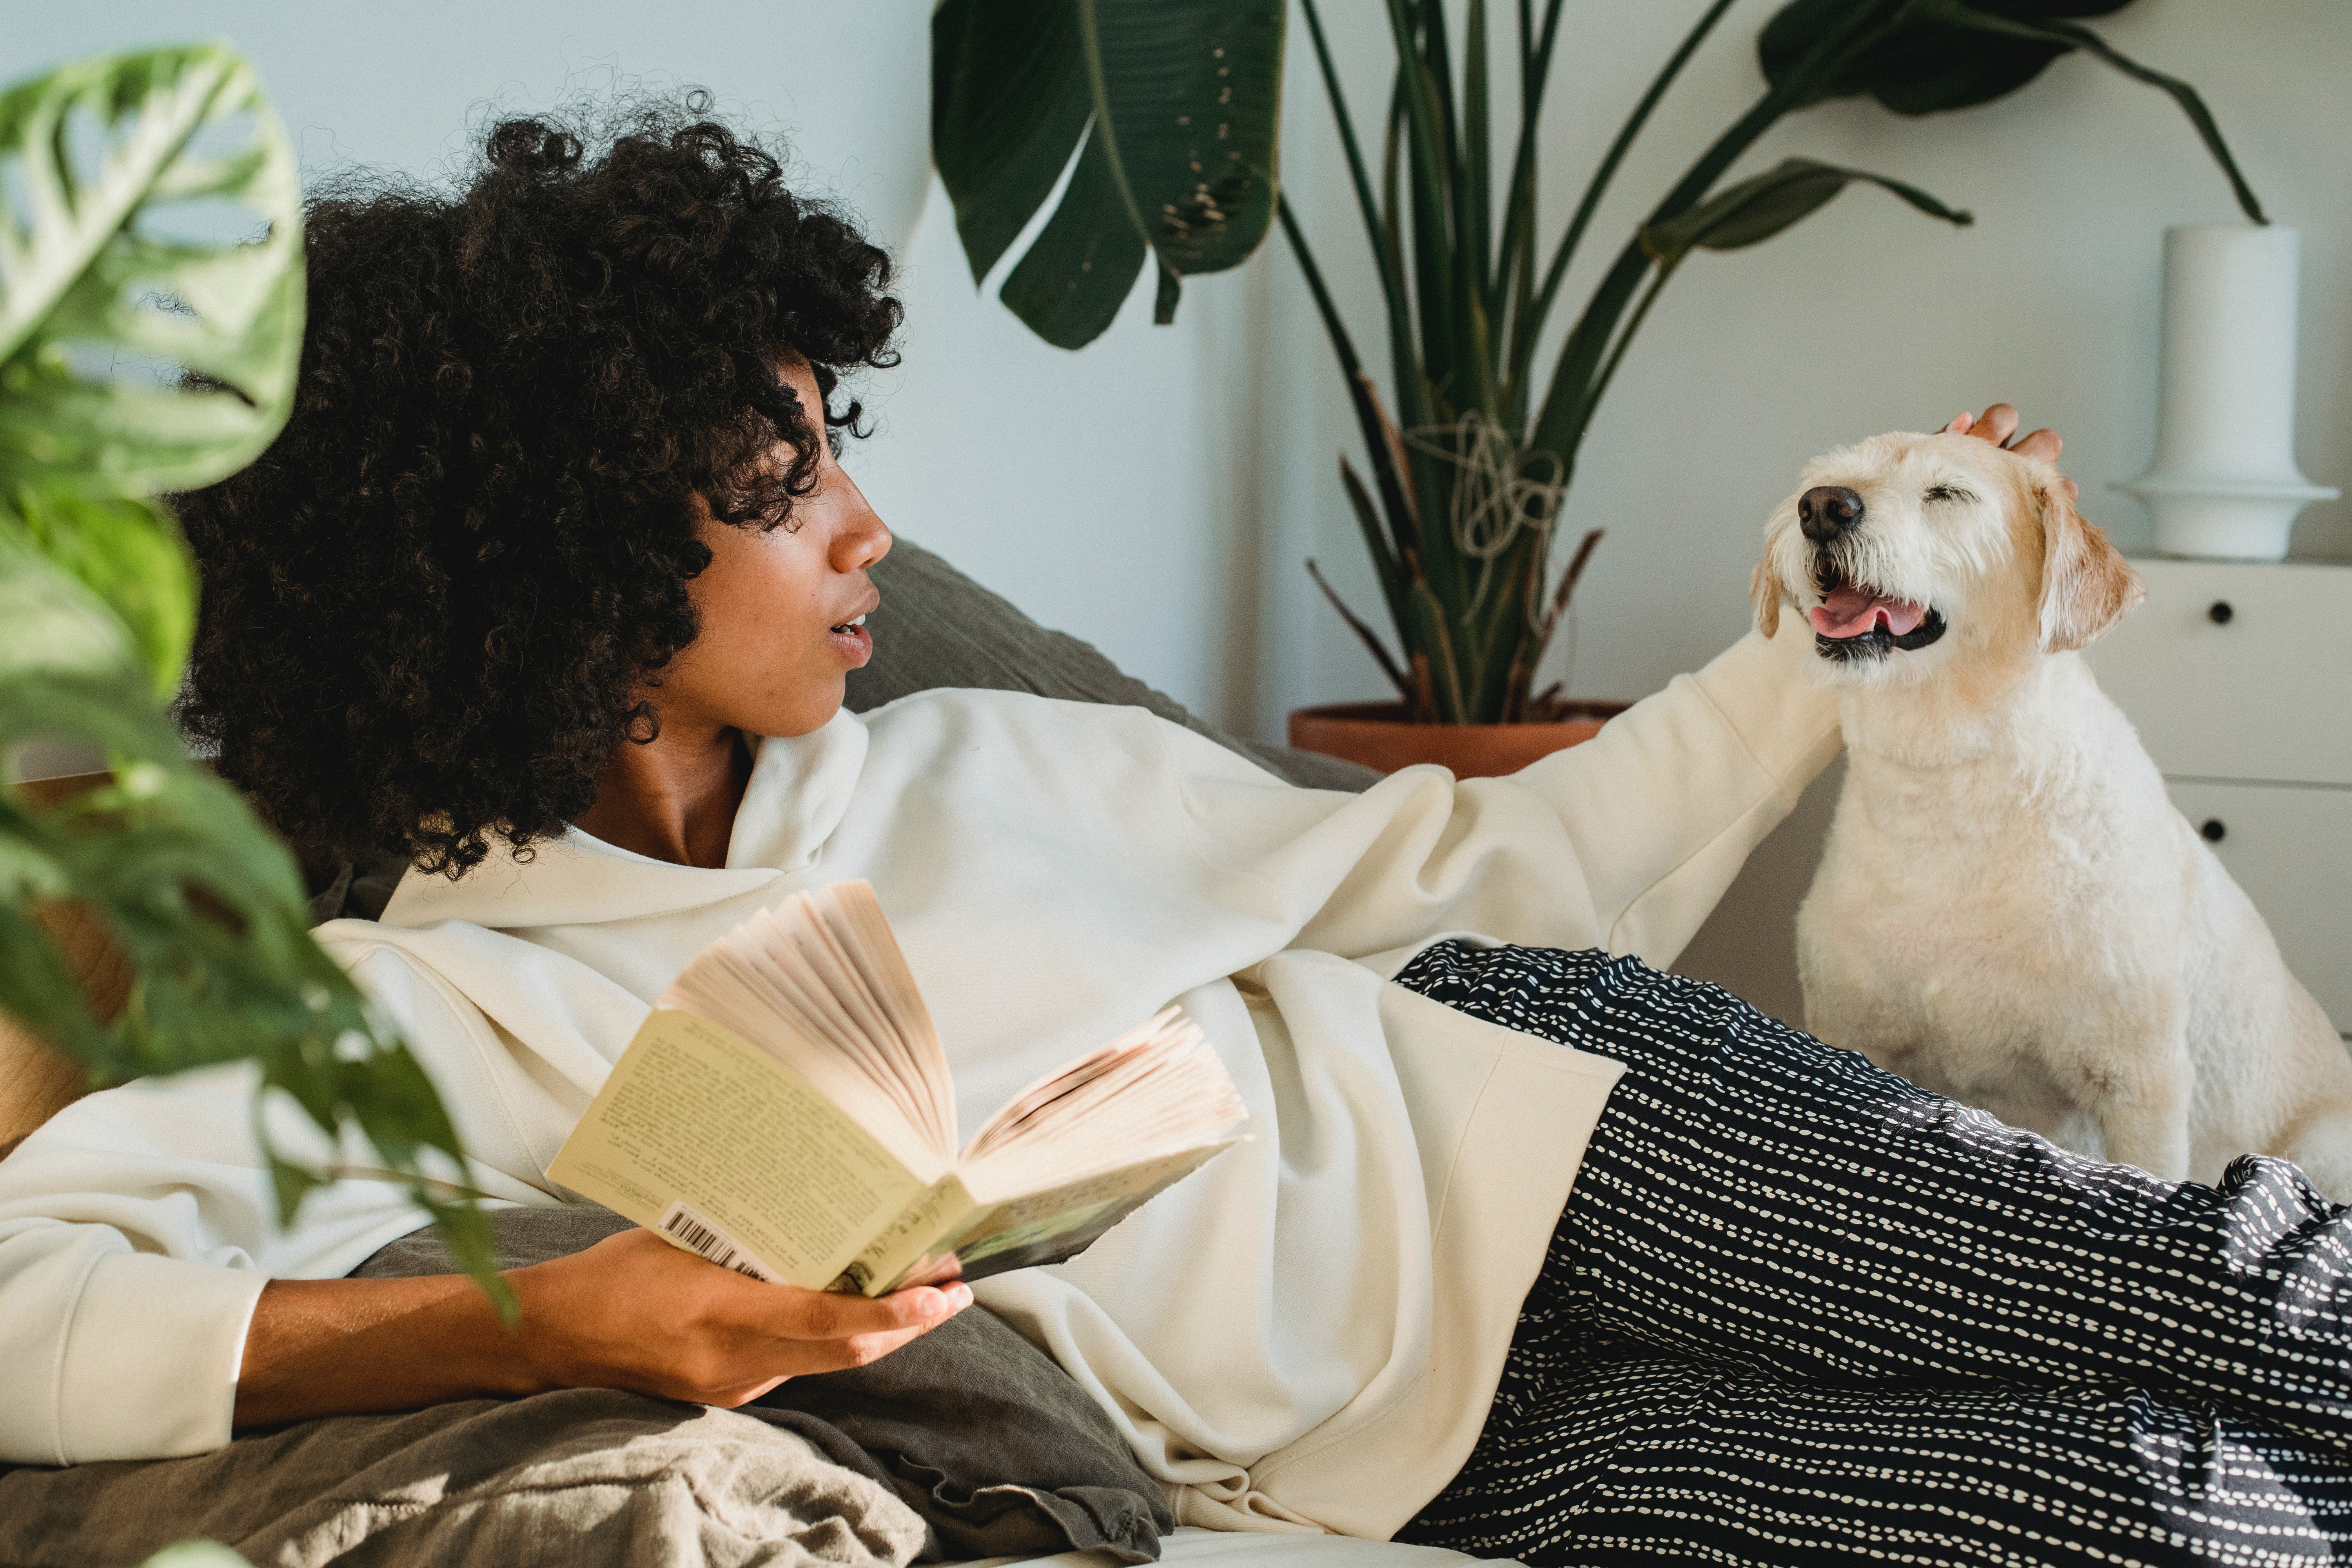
column 129, row 1225
column 1626, row 842
column 139, row 1225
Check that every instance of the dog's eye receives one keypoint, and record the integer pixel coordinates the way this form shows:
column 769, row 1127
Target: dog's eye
column 1947, row 492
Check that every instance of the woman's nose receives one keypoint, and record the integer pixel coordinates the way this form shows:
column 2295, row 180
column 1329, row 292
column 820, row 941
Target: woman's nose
column 864, row 539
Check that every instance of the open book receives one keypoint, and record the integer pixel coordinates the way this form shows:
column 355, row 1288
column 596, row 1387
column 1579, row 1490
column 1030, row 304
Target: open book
column 786, row 1111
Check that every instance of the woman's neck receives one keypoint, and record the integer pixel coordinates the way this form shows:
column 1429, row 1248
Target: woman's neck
column 673, row 798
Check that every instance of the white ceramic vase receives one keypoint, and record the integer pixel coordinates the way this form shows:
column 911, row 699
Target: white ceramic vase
column 2224, row 484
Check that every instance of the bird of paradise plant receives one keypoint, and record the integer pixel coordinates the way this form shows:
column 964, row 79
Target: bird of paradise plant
column 1471, row 456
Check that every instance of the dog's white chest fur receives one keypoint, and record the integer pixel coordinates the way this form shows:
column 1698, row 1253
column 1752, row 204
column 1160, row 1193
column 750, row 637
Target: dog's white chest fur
column 2010, row 911
column 1959, row 895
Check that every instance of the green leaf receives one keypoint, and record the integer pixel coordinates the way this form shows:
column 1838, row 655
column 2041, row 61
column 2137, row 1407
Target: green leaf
column 207, row 907
column 50, row 623
column 1914, row 68
column 80, row 269
column 1009, row 99
column 1181, row 106
column 1071, row 283
column 1939, row 55
column 128, row 553
column 97, row 602
column 1757, row 209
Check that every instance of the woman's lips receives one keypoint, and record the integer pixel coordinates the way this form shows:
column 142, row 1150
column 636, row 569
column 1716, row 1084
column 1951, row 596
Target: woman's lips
column 856, row 643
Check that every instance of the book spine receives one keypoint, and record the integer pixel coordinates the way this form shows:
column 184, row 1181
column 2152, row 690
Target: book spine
column 888, row 1260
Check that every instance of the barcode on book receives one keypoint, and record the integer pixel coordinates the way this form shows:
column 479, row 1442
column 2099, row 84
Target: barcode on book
column 694, row 1231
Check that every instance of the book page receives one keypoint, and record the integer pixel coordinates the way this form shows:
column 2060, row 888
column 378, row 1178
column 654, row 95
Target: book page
column 997, row 1235
column 944, row 1211
column 1158, row 1090
column 819, row 982
column 788, row 1111
column 854, row 917
column 692, row 1114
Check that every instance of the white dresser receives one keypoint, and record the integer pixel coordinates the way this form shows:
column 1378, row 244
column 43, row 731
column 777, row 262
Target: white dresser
column 2239, row 678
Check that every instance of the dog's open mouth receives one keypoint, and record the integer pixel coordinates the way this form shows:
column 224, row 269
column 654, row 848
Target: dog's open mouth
column 1855, row 620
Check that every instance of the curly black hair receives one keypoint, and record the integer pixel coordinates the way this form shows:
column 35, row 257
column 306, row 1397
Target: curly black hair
column 431, row 608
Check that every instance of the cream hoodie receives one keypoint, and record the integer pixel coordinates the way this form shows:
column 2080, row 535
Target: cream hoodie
column 1306, row 1335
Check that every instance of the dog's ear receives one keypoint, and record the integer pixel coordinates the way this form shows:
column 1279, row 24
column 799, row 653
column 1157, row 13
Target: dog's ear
column 2086, row 584
column 1764, row 587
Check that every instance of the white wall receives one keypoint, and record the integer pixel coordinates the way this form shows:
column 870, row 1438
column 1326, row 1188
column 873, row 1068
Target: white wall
column 1113, row 492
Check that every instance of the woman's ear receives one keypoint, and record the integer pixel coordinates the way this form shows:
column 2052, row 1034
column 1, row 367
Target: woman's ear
column 1764, row 587
column 2086, row 584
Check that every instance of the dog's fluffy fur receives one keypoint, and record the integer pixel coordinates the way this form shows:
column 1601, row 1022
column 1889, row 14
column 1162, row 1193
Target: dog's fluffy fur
column 2010, row 911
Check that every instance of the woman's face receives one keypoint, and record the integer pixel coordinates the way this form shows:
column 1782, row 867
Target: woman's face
column 779, row 610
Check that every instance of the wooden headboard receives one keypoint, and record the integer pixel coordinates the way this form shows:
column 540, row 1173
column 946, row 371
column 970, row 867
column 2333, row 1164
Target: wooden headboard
column 36, row 1082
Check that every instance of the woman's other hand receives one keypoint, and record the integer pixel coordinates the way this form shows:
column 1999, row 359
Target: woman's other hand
column 632, row 1313
column 1998, row 423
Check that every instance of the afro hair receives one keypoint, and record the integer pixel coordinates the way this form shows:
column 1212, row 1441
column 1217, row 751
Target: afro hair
column 432, row 608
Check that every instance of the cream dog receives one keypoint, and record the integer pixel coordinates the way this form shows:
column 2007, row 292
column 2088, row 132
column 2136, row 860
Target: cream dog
column 2010, row 911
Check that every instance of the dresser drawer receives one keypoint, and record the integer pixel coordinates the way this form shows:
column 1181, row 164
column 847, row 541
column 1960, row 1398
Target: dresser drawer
column 2264, row 694
column 2291, row 849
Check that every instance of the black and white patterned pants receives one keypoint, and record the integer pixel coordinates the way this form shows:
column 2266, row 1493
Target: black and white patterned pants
column 1798, row 1310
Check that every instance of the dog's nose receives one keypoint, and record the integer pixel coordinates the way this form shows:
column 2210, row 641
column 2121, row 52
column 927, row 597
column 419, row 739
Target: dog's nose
column 1827, row 511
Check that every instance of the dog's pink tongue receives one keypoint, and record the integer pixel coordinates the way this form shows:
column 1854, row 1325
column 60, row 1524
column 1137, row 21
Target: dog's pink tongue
column 1856, row 612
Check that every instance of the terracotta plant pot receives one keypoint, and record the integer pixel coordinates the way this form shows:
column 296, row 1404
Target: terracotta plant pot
column 1378, row 735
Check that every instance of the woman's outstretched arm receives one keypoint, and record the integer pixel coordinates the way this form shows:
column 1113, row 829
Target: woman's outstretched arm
column 631, row 1313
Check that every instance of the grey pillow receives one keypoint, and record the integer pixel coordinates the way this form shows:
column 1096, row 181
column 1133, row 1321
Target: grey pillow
column 939, row 628
column 982, row 1433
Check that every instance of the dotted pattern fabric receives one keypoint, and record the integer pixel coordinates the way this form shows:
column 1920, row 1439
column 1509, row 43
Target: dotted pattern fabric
column 1800, row 1310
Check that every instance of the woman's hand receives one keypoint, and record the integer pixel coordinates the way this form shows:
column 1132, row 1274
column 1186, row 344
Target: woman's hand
column 632, row 1313
column 635, row 1312
column 1998, row 424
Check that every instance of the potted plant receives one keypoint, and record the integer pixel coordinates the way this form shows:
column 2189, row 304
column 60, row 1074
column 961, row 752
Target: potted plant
column 1172, row 107
column 200, row 905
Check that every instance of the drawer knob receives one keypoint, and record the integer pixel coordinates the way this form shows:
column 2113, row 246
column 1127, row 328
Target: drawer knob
column 2221, row 612
column 2213, row 829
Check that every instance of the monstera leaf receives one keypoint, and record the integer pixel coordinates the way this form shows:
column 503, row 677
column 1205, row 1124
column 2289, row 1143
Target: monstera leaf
column 82, row 266
column 1171, row 111
column 1926, row 56
column 98, row 600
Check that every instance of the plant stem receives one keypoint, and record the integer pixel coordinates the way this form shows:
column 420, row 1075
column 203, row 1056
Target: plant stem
column 1385, row 253
column 1529, row 328
column 1520, row 214
column 1368, row 415
column 1557, row 429
column 1478, row 151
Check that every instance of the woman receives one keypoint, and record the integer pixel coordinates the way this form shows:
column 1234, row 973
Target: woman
column 1538, row 1252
